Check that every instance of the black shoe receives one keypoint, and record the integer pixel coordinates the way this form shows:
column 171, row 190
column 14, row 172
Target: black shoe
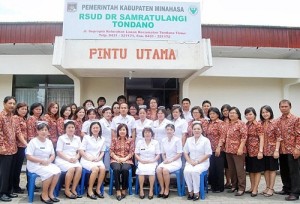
column 254, row 194
column 232, row 190
column 119, row 198
column 282, row 192
column 190, row 197
column 292, row 198
column 196, row 197
column 160, row 195
column 165, row 196
column 142, row 196
column 99, row 195
column 77, row 196
column 150, row 197
column 123, row 195
column 46, row 201
column 5, row 198
column 93, row 197
column 72, row 196
column 19, row 190
column 55, row 200
column 12, row 195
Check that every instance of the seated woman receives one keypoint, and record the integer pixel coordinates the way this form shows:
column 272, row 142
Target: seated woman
column 171, row 148
column 68, row 158
column 197, row 150
column 40, row 155
column 147, row 154
column 121, row 153
column 92, row 151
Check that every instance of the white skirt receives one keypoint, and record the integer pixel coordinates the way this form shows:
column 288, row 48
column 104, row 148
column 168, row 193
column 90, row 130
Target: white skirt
column 146, row 169
column 45, row 172
column 65, row 165
column 88, row 165
column 173, row 166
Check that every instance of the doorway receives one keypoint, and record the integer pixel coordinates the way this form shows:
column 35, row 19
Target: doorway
column 165, row 89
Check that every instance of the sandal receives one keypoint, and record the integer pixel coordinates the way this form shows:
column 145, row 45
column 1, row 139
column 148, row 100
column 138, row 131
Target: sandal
column 265, row 191
column 269, row 194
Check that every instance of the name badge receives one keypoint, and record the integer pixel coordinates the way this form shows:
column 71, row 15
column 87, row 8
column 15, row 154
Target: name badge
column 68, row 144
column 143, row 149
column 42, row 148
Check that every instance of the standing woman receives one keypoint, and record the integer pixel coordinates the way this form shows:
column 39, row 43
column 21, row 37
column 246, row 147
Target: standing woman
column 51, row 118
column 115, row 108
column 8, row 148
column 73, row 109
column 91, row 116
column 141, row 123
column 19, row 118
column 159, row 126
column 198, row 115
column 271, row 148
column 78, row 119
column 179, row 123
column 255, row 144
column 92, row 151
column 121, row 153
column 68, row 158
column 235, row 140
column 171, row 149
column 152, row 111
column 105, row 123
column 40, row 155
column 225, row 117
column 133, row 111
column 65, row 114
column 197, row 150
column 205, row 107
column 36, row 111
column 214, row 132
column 147, row 154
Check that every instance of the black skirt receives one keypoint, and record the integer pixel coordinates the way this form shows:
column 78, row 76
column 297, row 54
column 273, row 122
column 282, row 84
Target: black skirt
column 271, row 164
column 254, row 165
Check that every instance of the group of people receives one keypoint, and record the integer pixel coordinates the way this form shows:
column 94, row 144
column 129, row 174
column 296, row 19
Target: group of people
column 152, row 140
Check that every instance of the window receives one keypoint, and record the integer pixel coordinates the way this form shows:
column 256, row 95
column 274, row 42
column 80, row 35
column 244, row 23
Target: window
column 44, row 89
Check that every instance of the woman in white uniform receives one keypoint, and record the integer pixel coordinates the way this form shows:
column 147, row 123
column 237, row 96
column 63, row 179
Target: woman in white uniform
column 105, row 123
column 197, row 150
column 141, row 123
column 147, row 153
column 179, row 122
column 40, row 155
column 171, row 149
column 68, row 158
column 92, row 152
column 159, row 126
column 92, row 116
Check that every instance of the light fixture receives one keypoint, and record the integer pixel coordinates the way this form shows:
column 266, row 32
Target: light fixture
column 130, row 74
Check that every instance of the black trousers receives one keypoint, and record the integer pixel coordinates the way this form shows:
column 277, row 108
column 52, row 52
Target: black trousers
column 6, row 175
column 216, row 172
column 18, row 167
column 121, row 169
column 290, row 173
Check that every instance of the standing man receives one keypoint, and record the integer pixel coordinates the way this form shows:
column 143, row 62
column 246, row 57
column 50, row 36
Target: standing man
column 139, row 100
column 289, row 129
column 186, row 104
column 123, row 118
column 8, row 149
column 121, row 99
